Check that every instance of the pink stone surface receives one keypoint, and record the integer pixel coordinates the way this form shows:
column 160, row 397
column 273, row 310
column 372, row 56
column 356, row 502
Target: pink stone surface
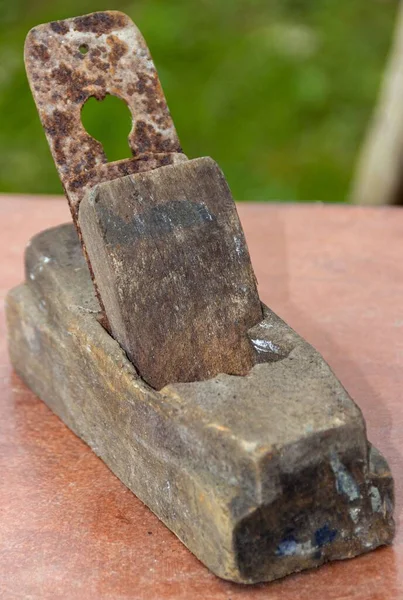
column 70, row 530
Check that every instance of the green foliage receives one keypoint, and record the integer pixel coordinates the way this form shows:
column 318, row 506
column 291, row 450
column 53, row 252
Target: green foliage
column 279, row 92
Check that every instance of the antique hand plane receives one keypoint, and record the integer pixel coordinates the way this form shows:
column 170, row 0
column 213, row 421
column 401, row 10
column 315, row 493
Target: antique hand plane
column 141, row 327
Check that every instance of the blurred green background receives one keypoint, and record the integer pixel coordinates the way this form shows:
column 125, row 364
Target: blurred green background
column 279, row 92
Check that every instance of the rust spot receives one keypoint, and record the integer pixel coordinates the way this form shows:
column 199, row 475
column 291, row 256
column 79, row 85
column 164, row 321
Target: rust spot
column 78, row 84
column 80, row 181
column 165, row 144
column 78, row 168
column 95, row 53
column 60, row 124
column 74, row 147
column 147, row 139
column 131, row 89
column 149, row 87
column 58, row 152
column 143, row 137
column 60, row 27
column 40, row 52
column 73, row 51
column 118, row 48
column 100, row 64
column 166, row 160
column 89, row 153
column 142, row 83
column 100, row 81
column 62, row 74
column 94, row 148
column 100, row 22
column 123, row 168
column 90, row 158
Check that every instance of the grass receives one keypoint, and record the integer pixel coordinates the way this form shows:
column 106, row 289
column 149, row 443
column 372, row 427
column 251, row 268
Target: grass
column 279, row 92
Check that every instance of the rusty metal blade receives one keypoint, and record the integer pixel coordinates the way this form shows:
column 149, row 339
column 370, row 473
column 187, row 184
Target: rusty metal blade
column 102, row 53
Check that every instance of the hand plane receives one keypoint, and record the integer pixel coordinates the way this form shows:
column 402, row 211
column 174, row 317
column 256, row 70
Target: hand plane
column 140, row 325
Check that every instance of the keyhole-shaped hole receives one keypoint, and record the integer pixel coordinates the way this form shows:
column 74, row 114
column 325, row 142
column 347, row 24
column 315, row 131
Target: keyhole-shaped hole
column 109, row 121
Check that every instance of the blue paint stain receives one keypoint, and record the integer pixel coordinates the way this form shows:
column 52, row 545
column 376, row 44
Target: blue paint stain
column 287, row 547
column 324, row 535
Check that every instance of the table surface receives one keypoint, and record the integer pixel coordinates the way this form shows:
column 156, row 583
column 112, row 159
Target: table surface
column 69, row 529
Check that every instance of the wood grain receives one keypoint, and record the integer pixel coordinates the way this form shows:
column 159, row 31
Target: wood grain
column 173, row 270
